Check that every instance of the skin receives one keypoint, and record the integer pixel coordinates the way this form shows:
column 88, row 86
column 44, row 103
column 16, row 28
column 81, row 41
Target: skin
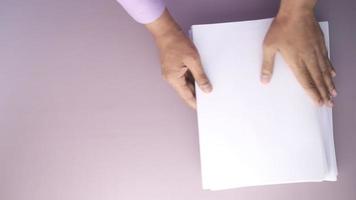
column 294, row 33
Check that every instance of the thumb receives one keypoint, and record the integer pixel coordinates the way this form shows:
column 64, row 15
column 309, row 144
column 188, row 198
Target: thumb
column 196, row 68
column 267, row 64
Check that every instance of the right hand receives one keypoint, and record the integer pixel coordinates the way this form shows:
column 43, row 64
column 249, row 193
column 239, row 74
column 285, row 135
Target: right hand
column 180, row 60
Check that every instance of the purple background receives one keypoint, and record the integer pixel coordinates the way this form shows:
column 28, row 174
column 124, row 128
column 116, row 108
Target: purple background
column 85, row 114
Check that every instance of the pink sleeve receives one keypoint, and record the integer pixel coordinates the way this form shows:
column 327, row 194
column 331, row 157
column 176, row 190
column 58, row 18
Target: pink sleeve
column 143, row 11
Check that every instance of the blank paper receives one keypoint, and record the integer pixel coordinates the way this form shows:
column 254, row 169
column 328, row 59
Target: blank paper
column 253, row 134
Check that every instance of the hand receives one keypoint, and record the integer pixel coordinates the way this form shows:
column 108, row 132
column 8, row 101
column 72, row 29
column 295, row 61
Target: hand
column 296, row 34
column 179, row 59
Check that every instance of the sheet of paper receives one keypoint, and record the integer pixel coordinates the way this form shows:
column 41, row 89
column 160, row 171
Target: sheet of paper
column 253, row 134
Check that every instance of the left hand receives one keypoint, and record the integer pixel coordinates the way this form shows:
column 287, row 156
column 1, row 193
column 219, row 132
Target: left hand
column 296, row 34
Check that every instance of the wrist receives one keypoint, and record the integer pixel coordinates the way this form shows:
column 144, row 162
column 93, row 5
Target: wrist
column 164, row 26
column 294, row 9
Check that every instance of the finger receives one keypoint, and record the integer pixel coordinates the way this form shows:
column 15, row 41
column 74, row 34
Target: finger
column 331, row 68
column 326, row 73
column 326, row 57
column 185, row 91
column 313, row 67
column 267, row 64
column 199, row 75
column 304, row 78
column 174, row 72
column 176, row 77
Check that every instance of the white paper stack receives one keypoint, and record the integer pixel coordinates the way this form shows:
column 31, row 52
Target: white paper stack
column 253, row 134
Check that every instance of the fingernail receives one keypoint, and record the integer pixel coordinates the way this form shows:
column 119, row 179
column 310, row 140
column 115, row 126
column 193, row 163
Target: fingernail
column 265, row 79
column 207, row 88
column 333, row 93
column 333, row 73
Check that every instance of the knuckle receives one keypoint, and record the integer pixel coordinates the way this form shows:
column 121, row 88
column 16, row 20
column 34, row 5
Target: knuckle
column 193, row 56
column 200, row 76
column 325, row 73
column 267, row 43
column 319, row 81
column 203, row 81
column 266, row 70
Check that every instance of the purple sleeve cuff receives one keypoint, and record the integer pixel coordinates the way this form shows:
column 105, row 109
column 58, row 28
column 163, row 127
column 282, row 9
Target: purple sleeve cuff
column 143, row 11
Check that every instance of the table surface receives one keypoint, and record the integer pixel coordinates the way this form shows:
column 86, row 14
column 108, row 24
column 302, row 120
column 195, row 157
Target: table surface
column 85, row 114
